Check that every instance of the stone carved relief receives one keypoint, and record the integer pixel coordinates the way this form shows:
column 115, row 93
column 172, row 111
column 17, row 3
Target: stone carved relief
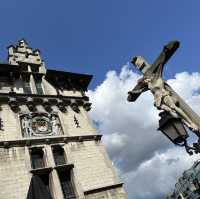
column 40, row 124
column 76, row 122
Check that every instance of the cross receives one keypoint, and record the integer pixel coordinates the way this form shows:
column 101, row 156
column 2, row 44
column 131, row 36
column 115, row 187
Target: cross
column 165, row 98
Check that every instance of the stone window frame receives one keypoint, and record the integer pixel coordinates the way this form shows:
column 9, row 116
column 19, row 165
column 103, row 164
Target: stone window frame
column 41, row 86
column 67, row 184
column 63, row 170
column 26, row 81
column 39, row 149
column 44, row 172
column 59, row 148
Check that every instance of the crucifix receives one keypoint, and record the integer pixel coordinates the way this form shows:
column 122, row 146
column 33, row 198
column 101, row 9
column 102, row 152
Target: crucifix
column 165, row 98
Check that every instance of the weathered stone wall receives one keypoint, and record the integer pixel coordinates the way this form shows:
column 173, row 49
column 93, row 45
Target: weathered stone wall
column 14, row 173
column 93, row 167
column 71, row 93
column 11, row 124
column 48, row 88
column 71, row 128
column 92, row 170
column 11, row 129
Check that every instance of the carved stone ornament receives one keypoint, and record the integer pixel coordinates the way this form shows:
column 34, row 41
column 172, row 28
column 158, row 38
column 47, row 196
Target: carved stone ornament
column 40, row 124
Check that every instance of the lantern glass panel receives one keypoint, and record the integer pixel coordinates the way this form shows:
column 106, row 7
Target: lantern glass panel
column 181, row 129
column 174, row 130
column 170, row 132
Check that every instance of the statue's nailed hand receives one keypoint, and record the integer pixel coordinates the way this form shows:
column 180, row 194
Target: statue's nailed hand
column 132, row 96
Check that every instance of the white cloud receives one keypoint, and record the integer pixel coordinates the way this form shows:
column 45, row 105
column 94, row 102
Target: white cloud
column 130, row 131
column 156, row 177
column 116, row 142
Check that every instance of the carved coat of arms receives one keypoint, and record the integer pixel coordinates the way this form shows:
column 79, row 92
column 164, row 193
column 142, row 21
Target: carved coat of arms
column 40, row 124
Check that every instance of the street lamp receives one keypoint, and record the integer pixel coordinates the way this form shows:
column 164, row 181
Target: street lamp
column 176, row 132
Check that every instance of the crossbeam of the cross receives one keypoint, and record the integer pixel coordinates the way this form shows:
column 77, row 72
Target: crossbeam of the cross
column 161, row 60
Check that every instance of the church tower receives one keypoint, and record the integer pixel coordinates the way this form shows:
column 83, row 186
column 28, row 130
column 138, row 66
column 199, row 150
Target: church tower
column 47, row 142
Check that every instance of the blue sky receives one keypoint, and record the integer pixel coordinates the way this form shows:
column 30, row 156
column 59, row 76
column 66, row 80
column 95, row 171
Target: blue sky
column 93, row 36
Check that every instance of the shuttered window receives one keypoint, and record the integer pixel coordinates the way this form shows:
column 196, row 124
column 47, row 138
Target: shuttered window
column 37, row 158
column 59, row 156
column 38, row 84
column 66, row 185
column 27, row 87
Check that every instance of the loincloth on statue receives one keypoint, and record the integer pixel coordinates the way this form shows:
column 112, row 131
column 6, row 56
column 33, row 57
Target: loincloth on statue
column 169, row 100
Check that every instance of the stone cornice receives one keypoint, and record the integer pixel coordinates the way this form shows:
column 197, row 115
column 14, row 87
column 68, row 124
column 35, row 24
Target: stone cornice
column 48, row 140
column 64, row 167
column 53, row 99
column 47, row 170
column 35, row 96
column 105, row 188
column 74, row 80
column 32, row 100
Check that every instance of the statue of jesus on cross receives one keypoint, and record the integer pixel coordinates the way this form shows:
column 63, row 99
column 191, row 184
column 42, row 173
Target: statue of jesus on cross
column 165, row 98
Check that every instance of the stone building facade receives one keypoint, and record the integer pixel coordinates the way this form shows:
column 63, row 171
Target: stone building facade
column 188, row 185
column 45, row 131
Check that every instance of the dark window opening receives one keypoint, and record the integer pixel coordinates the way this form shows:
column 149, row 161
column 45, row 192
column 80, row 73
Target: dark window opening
column 37, row 158
column 27, row 87
column 4, row 78
column 67, row 185
column 77, row 85
column 5, row 81
column 70, row 85
column 38, row 84
column 24, row 67
column 45, row 180
column 35, row 69
column 59, row 155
